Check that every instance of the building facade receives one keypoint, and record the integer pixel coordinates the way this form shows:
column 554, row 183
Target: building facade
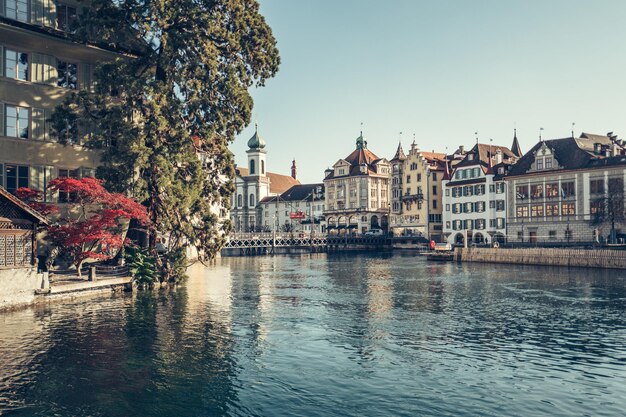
column 475, row 196
column 40, row 66
column 253, row 184
column 299, row 209
column 357, row 192
column 421, row 195
column 568, row 191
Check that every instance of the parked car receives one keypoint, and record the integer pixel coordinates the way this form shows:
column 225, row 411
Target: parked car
column 374, row 232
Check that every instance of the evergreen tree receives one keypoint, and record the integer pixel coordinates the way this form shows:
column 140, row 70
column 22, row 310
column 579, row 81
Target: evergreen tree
column 164, row 112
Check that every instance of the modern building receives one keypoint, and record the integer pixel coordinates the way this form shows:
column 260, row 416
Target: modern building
column 475, row 195
column 40, row 65
column 357, row 192
column 421, row 195
column 253, row 184
column 569, row 190
column 299, row 209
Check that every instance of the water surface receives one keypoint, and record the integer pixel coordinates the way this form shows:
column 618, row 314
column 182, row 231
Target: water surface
column 328, row 336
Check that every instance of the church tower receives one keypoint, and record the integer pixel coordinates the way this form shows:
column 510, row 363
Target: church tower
column 256, row 154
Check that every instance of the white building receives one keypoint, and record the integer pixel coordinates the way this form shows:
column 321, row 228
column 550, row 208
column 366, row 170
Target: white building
column 475, row 196
column 253, row 184
column 299, row 209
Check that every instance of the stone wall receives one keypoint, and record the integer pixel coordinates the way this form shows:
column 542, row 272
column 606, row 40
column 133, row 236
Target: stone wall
column 587, row 258
column 17, row 286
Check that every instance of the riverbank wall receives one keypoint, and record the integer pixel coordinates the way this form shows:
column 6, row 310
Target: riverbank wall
column 584, row 258
column 17, row 286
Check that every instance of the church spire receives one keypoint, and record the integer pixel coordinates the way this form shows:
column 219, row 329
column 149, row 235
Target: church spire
column 400, row 155
column 515, row 148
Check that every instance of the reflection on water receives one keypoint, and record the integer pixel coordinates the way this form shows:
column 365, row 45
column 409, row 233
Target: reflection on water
column 328, row 335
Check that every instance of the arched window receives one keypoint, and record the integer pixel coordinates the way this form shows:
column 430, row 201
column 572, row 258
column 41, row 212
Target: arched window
column 252, row 167
column 262, row 167
column 239, row 200
column 252, row 200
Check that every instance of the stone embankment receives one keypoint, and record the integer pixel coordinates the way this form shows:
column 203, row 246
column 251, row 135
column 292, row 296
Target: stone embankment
column 586, row 258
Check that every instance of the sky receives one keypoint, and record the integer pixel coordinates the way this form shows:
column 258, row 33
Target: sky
column 437, row 71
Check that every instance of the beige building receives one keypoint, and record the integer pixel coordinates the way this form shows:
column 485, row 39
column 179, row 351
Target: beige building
column 40, row 66
column 357, row 192
column 420, row 194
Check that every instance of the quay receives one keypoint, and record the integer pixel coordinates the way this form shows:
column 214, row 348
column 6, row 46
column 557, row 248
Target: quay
column 568, row 257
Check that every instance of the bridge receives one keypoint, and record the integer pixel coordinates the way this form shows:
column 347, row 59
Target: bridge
column 244, row 244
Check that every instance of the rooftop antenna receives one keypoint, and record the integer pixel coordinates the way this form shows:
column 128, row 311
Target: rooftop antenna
column 573, row 124
column 540, row 131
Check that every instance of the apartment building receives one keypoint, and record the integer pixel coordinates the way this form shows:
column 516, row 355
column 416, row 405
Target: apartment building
column 475, row 195
column 40, row 65
column 568, row 191
column 299, row 209
column 357, row 192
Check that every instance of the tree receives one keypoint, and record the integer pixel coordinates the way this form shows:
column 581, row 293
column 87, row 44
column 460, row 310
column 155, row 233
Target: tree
column 610, row 208
column 95, row 224
column 180, row 97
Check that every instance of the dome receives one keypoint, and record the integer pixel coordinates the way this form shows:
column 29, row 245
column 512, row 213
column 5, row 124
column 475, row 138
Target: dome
column 256, row 141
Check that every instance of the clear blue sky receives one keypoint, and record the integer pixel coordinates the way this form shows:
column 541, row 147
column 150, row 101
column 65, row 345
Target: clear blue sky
column 441, row 70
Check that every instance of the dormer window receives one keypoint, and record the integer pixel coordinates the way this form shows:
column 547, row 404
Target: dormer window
column 539, row 163
column 548, row 163
column 470, row 156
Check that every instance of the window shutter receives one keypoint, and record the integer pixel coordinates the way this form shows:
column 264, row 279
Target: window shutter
column 38, row 124
column 50, row 70
column 36, row 62
column 49, row 13
column 51, row 173
column 47, row 114
column 36, row 12
column 2, row 133
column 37, row 179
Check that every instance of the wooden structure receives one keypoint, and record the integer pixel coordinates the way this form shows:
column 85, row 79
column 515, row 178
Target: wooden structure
column 18, row 229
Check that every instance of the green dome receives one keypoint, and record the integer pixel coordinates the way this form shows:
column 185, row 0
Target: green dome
column 256, row 141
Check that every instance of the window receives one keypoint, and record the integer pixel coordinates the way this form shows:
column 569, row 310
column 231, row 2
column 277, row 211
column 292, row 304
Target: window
column 252, row 200
column 408, row 179
column 468, row 207
column 521, row 192
column 568, row 234
column 499, row 188
column 434, row 204
column 447, row 225
column 552, row 209
column 536, row 191
column 16, row 122
column 492, row 188
column 16, row 177
column 479, row 224
column 536, row 210
column 492, row 204
column 568, row 189
column 342, row 171
column 67, row 73
column 522, row 211
column 549, row 164
column 447, row 192
column 552, row 234
column 480, row 206
column 520, row 236
column 552, row 190
column 15, row 65
column 596, row 186
column 419, row 177
column 568, row 209
column 239, row 200
column 17, row 10
column 447, row 207
column 434, row 176
column 500, row 205
column 434, row 190
column 597, row 206
column 68, row 197
column 468, row 190
column 66, row 18
column 262, row 167
column 500, row 222
column 539, row 163
column 252, row 167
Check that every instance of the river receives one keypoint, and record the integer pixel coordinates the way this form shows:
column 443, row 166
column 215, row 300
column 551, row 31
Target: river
column 328, row 335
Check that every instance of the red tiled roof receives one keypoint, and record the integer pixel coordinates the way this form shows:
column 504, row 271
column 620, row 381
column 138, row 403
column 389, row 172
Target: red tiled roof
column 278, row 183
column 361, row 156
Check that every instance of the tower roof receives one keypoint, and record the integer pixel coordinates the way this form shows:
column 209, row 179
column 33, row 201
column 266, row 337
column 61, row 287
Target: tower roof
column 256, row 141
column 515, row 148
column 400, row 155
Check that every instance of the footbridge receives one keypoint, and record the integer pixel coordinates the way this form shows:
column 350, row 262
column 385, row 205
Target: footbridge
column 248, row 244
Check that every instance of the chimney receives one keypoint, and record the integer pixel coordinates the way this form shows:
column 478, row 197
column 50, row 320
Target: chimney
column 294, row 175
column 597, row 148
column 498, row 156
column 461, row 149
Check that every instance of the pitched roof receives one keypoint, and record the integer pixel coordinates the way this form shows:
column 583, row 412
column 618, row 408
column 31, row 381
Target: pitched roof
column 9, row 202
column 361, row 156
column 515, row 148
column 400, row 155
column 278, row 183
column 485, row 153
column 571, row 153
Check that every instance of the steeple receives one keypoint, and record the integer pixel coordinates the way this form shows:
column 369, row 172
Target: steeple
column 515, row 148
column 294, row 173
column 361, row 143
column 256, row 141
column 400, row 155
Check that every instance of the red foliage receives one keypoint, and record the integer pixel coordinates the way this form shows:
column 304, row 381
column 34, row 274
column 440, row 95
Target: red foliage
column 34, row 199
column 96, row 231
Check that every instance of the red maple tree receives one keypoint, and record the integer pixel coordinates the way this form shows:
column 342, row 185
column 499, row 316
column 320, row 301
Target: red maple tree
column 96, row 222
